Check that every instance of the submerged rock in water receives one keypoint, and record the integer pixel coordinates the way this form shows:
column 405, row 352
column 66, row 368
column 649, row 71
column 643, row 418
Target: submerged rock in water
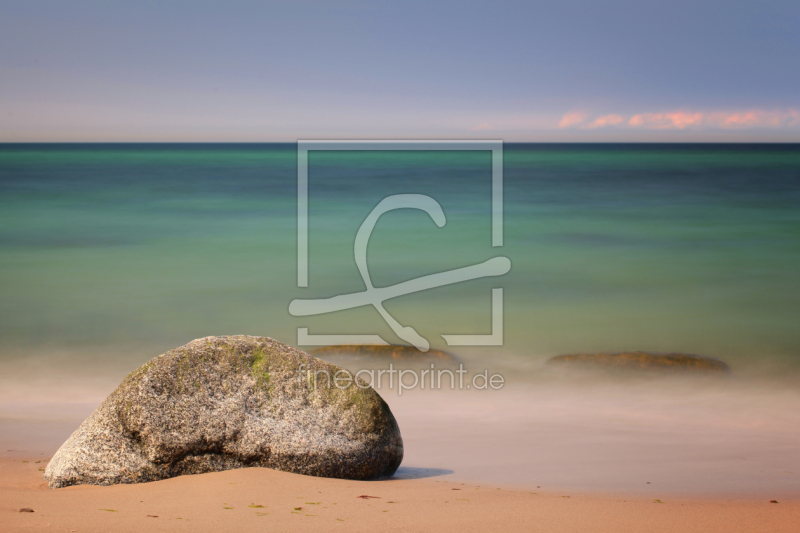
column 219, row 403
column 396, row 352
column 641, row 361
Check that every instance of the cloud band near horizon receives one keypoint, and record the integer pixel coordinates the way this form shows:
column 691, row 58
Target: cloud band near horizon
column 682, row 119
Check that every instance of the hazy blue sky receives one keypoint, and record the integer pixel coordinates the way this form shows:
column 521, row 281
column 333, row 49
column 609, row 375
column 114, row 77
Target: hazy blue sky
column 552, row 70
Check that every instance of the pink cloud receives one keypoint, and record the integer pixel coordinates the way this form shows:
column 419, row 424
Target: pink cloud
column 606, row 120
column 573, row 118
column 674, row 120
column 746, row 119
column 482, row 127
column 753, row 118
column 670, row 120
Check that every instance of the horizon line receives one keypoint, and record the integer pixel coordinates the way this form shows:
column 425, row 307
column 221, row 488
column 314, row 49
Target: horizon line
column 730, row 142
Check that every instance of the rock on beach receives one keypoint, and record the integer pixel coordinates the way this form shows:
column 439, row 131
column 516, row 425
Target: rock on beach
column 220, row 403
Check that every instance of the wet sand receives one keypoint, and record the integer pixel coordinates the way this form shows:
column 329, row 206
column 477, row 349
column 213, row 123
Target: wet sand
column 654, row 439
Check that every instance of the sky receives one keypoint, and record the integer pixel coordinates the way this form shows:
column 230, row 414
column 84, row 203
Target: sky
column 174, row 70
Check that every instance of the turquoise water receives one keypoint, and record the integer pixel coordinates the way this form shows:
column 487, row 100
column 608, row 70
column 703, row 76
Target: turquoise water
column 125, row 251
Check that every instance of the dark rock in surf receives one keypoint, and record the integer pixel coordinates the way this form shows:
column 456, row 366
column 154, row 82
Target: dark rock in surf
column 640, row 361
column 395, row 352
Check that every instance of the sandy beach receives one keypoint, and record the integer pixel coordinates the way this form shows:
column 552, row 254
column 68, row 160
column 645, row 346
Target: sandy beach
column 258, row 499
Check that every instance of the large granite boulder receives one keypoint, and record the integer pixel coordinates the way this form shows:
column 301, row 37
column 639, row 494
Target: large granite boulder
column 219, row 403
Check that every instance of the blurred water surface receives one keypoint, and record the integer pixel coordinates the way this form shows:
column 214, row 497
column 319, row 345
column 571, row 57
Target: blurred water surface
column 111, row 254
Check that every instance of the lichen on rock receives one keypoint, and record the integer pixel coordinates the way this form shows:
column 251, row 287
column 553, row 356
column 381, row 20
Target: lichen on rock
column 219, row 403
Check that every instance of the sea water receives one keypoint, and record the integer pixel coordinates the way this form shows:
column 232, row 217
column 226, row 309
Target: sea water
column 689, row 248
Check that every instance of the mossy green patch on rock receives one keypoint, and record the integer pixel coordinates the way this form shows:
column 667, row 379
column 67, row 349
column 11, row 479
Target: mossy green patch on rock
column 228, row 402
